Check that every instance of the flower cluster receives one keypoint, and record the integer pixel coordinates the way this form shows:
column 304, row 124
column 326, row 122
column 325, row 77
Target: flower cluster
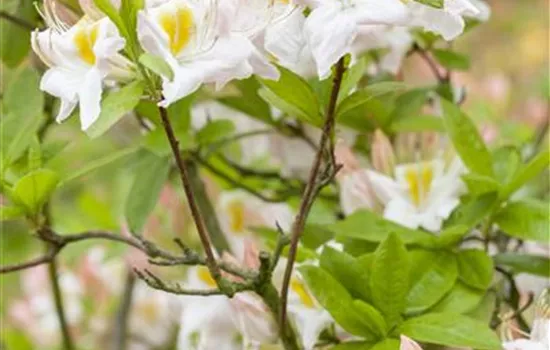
column 217, row 41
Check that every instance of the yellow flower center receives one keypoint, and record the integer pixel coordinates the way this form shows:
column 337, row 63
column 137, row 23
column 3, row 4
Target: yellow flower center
column 299, row 288
column 84, row 40
column 236, row 211
column 419, row 177
column 149, row 311
column 179, row 27
column 206, row 277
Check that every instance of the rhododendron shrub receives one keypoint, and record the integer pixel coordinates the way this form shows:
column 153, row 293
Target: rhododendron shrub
column 261, row 174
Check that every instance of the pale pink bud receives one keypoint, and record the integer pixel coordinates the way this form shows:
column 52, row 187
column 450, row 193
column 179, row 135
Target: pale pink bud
column 408, row 344
column 345, row 157
column 382, row 156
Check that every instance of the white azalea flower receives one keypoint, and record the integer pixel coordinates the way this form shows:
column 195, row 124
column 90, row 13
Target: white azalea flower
column 422, row 194
column 333, row 25
column 80, row 59
column 447, row 22
column 195, row 39
column 238, row 211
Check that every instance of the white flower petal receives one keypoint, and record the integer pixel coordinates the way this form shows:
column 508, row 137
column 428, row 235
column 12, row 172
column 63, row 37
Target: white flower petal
column 90, row 98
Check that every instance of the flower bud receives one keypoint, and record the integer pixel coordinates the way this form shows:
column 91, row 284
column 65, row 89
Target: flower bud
column 346, row 158
column 382, row 156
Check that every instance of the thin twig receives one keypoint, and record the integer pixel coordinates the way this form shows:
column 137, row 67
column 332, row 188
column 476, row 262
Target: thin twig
column 312, row 187
column 431, row 63
column 60, row 310
column 193, row 206
column 32, row 263
column 123, row 313
column 18, row 21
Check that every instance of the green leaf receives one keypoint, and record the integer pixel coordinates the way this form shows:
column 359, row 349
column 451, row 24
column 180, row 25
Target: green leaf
column 417, row 123
column 525, row 220
column 151, row 175
column 35, row 188
column 432, row 275
column 506, row 161
column 215, row 130
column 248, row 101
column 480, row 184
column 523, row 263
column 475, row 268
column 485, row 309
column 452, row 60
column 353, row 345
column 526, row 173
column 409, row 105
column 452, row 236
column 157, row 65
column 387, row 344
column 15, row 40
column 467, row 141
column 23, row 102
column 389, row 278
column 372, row 316
column 438, row 4
column 347, row 271
column 11, row 213
column 450, row 330
column 459, row 300
column 115, row 106
column 368, row 226
column 98, row 163
column 351, row 78
column 107, row 7
column 338, row 302
column 366, row 94
column 473, row 211
column 292, row 95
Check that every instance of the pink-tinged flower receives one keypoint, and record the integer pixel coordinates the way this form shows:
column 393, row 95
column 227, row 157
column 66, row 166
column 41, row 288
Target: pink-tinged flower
column 408, row 344
column 382, row 158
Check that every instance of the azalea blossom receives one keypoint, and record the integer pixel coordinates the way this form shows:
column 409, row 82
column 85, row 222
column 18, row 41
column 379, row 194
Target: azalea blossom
column 415, row 194
column 81, row 59
column 195, row 38
column 539, row 338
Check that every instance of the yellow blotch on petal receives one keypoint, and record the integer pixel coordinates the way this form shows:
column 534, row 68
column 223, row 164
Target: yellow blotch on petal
column 179, row 27
column 206, row 277
column 299, row 288
column 236, row 212
column 84, row 40
column 419, row 177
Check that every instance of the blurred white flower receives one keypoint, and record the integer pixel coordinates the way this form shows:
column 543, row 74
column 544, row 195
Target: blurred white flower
column 80, row 59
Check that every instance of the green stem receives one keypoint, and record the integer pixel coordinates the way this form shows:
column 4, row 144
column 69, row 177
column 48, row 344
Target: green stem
column 59, row 308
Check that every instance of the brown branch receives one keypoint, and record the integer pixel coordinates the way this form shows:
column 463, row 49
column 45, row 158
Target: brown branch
column 60, row 310
column 32, row 263
column 312, row 187
column 431, row 63
column 123, row 312
column 18, row 21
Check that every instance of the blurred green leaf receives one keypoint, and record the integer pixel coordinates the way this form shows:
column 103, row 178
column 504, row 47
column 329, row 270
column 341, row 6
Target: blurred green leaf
column 452, row 60
column 473, row 211
column 524, row 263
column 116, row 105
column 11, row 213
column 417, row 123
column 467, row 141
column 151, row 174
column 480, row 184
column 525, row 219
column 450, row 330
column 96, row 164
column 432, row 3
column 215, row 130
column 387, row 344
column 432, row 275
column 15, row 40
column 157, row 65
column 459, row 300
column 366, row 94
column 353, row 345
column 368, row 226
column 249, row 101
column 506, row 161
column 389, row 279
column 34, row 189
column 292, row 95
column 527, row 172
column 475, row 268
